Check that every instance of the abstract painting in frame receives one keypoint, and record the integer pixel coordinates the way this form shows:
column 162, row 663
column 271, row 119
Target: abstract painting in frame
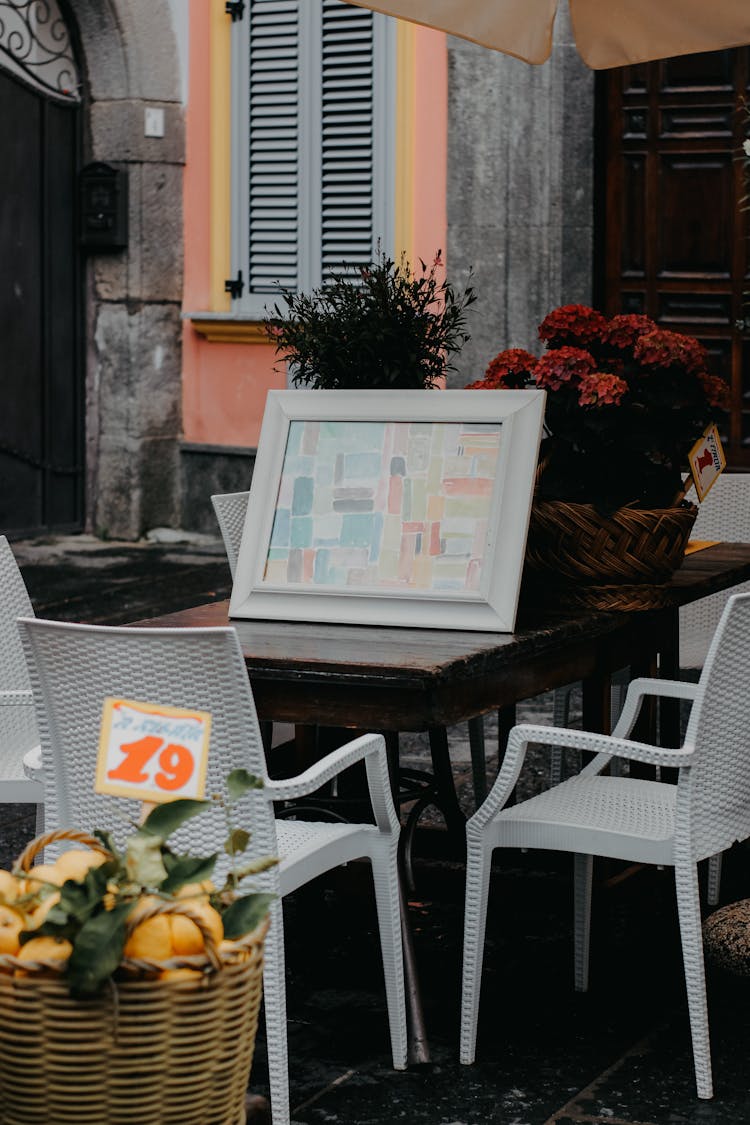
column 373, row 507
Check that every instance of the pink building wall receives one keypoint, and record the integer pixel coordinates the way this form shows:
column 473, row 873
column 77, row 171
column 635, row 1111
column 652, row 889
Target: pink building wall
column 225, row 384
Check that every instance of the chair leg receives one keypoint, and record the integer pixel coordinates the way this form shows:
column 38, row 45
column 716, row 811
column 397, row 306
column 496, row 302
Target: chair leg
column 714, row 879
column 385, row 876
column 478, row 863
column 583, row 870
column 274, row 990
column 688, row 907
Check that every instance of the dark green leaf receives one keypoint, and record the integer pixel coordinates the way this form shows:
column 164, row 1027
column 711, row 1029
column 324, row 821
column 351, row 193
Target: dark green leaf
column 237, row 841
column 188, row 869
column 167, row 818
column 108, row 841
column 239, row 782
column 97, row 949
column 245, row 914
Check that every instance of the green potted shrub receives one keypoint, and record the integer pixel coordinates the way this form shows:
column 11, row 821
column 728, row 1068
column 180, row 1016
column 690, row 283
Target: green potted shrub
column 382, row 325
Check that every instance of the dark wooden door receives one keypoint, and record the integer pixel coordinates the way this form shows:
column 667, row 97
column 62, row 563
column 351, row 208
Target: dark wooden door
column 41, row 418
column 674, row 242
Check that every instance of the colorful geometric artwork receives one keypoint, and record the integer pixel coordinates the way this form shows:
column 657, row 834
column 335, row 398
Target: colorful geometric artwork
column 384, row 505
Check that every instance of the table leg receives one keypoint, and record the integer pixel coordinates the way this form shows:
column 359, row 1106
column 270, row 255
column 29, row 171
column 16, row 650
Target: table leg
column 418, row 1047
column 597, row 703
column 445, row 797
column 478, row 759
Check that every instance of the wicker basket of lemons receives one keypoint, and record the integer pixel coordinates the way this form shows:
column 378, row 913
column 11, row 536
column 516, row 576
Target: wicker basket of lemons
column 129, row 985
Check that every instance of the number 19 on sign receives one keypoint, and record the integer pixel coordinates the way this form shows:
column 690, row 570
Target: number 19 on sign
column 151, row 752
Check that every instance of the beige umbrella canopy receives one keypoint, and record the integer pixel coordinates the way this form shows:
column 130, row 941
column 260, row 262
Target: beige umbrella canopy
column 607, row 32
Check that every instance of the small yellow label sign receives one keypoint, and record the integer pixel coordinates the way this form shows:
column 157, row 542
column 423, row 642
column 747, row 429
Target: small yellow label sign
column 151, row 752
column 707, row 461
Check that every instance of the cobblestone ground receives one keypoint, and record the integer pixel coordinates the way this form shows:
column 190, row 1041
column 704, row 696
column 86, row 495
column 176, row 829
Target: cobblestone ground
column 617, row 1055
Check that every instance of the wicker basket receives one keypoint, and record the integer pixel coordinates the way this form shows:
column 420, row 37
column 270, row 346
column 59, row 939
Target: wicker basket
column 576, row 556
column 159, row 1052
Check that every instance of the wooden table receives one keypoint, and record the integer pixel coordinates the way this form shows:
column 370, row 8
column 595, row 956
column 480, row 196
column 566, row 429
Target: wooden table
column 395, row 680
column 417, row 679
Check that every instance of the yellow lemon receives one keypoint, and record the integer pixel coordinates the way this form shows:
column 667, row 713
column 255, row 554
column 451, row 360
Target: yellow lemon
column 44, row 949
column 38, row 876
column 196, row 890
column 40, row 913
column 75, row 863
column 187, row 938
column 11, row 923
column 10, row 886
column 151, row 939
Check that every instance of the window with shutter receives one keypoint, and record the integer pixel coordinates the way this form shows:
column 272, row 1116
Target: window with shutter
column 312, row 134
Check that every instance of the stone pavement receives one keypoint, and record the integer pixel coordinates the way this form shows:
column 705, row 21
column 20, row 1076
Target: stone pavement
column 618, row 1055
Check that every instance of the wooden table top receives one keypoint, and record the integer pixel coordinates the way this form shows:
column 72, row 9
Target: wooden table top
column 410, row 679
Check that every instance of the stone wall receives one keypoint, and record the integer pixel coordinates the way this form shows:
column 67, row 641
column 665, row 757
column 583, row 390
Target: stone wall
column 133, row 297
column 520, row 190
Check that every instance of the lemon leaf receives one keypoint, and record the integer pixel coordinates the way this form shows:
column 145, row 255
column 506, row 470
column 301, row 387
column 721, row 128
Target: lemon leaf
column 189, row 869
column 237, row 841
column 245, row 914
column 255, row 866
column 167, row 818
column 240, row 782
column 97, row 949
column 144, row 862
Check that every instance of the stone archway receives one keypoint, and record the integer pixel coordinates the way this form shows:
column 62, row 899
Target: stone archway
column 133, row 297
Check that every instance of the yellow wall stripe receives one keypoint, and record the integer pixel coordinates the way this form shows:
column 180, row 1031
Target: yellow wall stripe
column 220, row 155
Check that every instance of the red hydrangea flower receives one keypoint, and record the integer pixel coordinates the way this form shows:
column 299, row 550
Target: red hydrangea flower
column 511, row 369
column 662, row 348
column 623, row 331
column 563, row 366
column 716, row 390
column 572, row 324
column 601, row 389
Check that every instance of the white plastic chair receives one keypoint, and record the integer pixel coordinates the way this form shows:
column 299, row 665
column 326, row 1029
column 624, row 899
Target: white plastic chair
column 18, row 734
column 723, row 515
column 74, row 667
column 627, row 818
column 230, row 509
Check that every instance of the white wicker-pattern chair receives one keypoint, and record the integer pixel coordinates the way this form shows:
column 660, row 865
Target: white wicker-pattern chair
column 74, row 667
column 230, row 509
column 723, row 515
column 18, row 733
column 631, row 819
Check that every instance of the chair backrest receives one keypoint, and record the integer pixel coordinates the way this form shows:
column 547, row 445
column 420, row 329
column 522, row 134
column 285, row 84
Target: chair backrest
column 723, row 515
column 714, row 799
column 73, row 668
column 230, row 508
column 14, row 603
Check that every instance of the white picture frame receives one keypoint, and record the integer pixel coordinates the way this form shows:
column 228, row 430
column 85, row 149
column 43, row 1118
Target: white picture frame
column 481, row 447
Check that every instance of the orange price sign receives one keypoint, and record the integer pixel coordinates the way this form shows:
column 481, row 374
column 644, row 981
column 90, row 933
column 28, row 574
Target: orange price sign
column 150, row 752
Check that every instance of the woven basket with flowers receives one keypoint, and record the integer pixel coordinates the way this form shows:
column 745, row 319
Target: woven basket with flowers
column 626, row 401
column 129, row 984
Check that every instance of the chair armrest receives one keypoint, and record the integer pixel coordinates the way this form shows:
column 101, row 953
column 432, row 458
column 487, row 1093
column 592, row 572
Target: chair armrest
column 637, row 692
column 605, row 746
column 369, row 748
column 14, row 698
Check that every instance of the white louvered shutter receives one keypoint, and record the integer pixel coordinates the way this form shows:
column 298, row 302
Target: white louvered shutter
column 312, row 167
column 347, row 126
column 274, row 146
